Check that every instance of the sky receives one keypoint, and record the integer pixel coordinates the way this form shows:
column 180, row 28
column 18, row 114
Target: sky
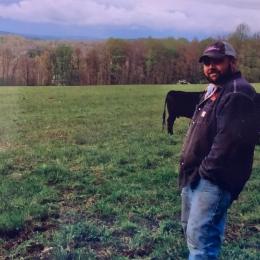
column 99, row 19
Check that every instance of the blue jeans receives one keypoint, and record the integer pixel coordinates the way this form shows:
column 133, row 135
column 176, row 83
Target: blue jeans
column 203, row 218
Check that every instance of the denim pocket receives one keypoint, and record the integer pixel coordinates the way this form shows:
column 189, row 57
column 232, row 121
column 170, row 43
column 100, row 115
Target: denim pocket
column 208, row 186
column 215, row 200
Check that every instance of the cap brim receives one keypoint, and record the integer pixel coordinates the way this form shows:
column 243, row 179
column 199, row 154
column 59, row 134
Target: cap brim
column 211, row 55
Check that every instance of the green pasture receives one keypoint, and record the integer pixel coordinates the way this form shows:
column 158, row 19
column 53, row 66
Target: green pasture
column 87, row 173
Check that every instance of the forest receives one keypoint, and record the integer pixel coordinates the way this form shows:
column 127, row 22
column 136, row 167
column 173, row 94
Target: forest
column 32, row 62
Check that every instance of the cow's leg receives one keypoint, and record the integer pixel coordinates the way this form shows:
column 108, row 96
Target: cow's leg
column 258, row 139
column 170, row 122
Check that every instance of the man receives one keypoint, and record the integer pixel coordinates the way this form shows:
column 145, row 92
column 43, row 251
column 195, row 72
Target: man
column 218, row 150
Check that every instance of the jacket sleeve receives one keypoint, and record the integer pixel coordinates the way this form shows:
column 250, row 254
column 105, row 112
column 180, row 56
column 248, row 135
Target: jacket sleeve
column 234, row 141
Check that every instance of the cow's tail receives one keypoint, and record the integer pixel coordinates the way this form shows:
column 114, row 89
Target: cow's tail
column 164, row 114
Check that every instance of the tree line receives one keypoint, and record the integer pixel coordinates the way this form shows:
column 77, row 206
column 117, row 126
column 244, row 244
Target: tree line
column 117, row 61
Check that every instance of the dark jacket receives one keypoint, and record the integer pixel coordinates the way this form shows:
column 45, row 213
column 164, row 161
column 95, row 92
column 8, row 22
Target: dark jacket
column 219, row 145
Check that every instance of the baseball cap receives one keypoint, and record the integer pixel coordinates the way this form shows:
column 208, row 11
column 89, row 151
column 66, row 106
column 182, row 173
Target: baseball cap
column 218, row 50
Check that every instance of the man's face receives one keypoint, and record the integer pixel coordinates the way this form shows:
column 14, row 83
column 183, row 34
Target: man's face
column 216, row 70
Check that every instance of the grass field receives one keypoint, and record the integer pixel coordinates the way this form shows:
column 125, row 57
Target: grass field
column 87, row 173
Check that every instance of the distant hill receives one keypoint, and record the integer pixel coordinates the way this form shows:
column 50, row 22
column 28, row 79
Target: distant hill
column 5, row 33
column 28, row 36
column 48, row 37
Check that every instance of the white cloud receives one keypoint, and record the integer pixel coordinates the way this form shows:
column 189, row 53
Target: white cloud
column 208, row 16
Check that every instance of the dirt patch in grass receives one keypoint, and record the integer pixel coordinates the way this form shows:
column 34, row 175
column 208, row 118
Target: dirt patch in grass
column 237, row 231
column 5, row 146
column 55, row 135
column 46, row 227
column 14, row 240
column 234, row 231
column 149, row 223
column 139, row 252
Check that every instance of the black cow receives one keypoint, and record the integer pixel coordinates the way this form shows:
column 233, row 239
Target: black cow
column 183, row 104
column 257, row 106
column 179, row 104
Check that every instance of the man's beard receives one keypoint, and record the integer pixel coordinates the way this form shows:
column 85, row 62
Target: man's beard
column 222, row 77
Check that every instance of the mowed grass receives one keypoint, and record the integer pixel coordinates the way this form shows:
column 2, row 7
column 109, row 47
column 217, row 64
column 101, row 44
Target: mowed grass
column 87, row 173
